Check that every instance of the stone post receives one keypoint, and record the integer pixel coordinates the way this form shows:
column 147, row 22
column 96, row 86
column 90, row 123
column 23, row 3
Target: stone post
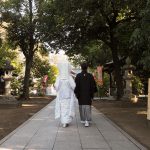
column 128, row 87
column 7, row 78
column 128, row 75
column 148, row 103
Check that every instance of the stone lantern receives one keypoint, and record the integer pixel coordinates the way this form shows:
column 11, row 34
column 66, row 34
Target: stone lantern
column 8, row 77
column 128, row 76
column 6, row 98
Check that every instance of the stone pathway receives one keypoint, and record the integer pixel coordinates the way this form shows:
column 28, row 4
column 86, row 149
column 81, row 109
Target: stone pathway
column 43, row 132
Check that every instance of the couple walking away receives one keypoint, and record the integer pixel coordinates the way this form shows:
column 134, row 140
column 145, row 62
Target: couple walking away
column 67, row 89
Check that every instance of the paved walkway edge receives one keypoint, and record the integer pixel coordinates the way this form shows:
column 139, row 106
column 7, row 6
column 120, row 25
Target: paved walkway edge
column 140, row 146
column 21, row 126
column 125, row 134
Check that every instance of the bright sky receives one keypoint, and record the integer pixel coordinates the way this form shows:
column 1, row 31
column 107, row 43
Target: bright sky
column 58, row 57
column 62, row 52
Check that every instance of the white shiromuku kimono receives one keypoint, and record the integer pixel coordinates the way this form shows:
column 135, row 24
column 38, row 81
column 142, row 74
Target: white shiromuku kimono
column 65, row 100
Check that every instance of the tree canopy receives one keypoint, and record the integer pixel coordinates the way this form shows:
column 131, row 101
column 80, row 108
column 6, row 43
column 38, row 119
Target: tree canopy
column 109, row 21
column 23, row 21
column 95, row 30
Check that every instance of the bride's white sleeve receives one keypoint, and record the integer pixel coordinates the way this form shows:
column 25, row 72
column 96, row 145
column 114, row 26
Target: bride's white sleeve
column 72, row 82
column 57, row 84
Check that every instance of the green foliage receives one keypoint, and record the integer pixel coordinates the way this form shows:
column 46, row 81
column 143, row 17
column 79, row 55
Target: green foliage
column 140, row 49
column 137, row 85
column 42, row 67
column 48, row 25
column 77, row 59
column 94, row 53
column 16, row 85
column 0, row 42
column 17, row 81
column 6, row 53
column 16, row 14
column 81, row 21
column 97, row 53
column 53, row 71
column 18, row 71
column 140, row 39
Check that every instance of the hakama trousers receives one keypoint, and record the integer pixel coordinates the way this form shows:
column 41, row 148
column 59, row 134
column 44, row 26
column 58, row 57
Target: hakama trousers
column 85, row 112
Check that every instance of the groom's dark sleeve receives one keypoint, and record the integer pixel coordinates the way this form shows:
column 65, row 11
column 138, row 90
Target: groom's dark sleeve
column 77, row 88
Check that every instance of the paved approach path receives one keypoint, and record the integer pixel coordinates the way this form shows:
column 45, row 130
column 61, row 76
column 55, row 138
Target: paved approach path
column 43, row 132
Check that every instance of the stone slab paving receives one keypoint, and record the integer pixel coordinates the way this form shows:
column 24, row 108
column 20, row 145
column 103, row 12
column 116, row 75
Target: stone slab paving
column 43, row 132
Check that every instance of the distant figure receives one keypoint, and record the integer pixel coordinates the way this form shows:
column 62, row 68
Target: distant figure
column 65, row 100
column 85, row 89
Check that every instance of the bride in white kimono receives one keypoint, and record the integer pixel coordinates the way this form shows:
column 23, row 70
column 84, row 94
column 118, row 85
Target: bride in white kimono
column 65, row 100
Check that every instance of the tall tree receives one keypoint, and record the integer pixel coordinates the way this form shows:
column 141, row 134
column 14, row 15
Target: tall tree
column 23, row 20
column 83, row 21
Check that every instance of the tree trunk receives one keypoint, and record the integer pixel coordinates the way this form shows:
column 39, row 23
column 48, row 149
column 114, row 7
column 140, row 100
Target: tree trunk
column 25, row 94
column 118, row 76
column 117, row 67
column 29, row 55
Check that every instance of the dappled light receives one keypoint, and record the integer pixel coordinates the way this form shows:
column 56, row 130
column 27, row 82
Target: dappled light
column 29, row 105
column 141, row 113
column 5, row 148
column 38, row 119
column 134, row 99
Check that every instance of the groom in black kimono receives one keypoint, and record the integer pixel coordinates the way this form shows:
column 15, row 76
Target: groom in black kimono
column 85, row 89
